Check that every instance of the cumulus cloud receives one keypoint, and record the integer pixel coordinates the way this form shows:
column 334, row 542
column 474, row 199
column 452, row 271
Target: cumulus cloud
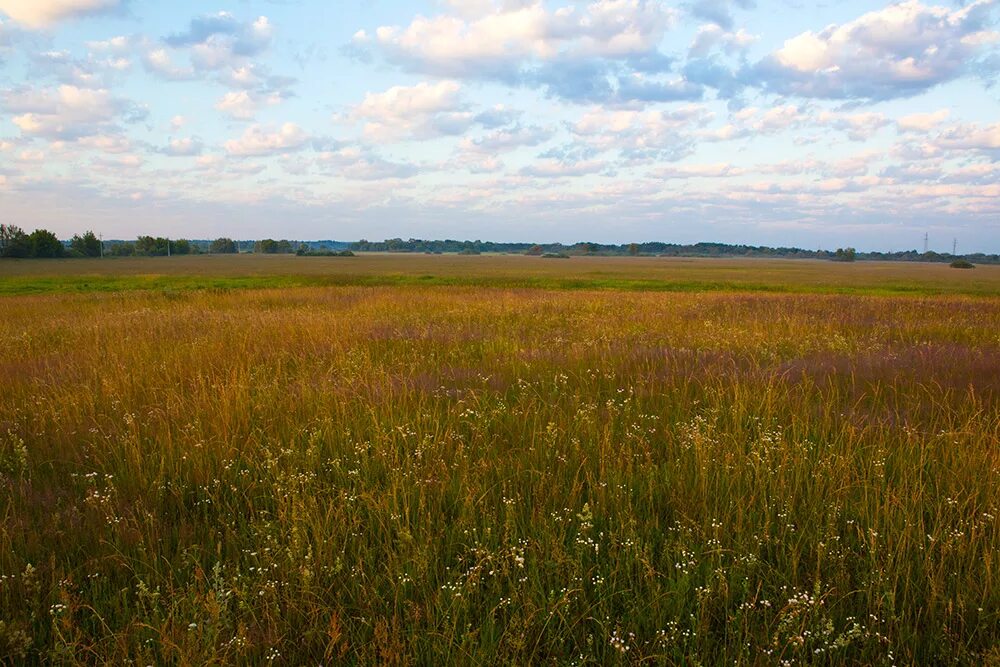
column 897, row 51
column 68, row 112
column 711, row 37
column 185, row 147
column 243, row 105
column 664, row 135
column 218, row 45
column 718, row 12
column 217, row 40
column 507, row 139
column 423, row 111
column 922, row 122
column 576, row 52
column 260, row 140
column 44, row 13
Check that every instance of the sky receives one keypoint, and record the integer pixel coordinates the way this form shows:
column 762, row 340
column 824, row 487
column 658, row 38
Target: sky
column 772, row 122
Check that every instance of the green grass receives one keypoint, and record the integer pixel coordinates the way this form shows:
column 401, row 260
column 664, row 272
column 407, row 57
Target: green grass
column 499, row 467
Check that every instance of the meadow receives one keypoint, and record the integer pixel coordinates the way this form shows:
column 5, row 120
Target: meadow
column 498, row 460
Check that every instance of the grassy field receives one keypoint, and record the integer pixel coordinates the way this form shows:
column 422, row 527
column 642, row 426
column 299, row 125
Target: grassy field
column 501, row 271
column 498, row 460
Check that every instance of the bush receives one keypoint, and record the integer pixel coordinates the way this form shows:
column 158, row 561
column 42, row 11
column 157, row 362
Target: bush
column 555, row 255
column 962, row 264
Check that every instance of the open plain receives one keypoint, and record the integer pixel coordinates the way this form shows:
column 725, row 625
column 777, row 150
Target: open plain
column 498, row 460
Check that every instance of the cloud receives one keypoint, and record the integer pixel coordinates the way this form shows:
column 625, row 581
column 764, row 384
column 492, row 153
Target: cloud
column 582, row 53
column 858, row 126
column 663, row 135
column 897, row 51
column 423, row 111
column 362, row 165
column 971, row 136
column 44, row 13
column 160, row 62
column 216, row 40
column 183, row 147
column 243, row 105
column 68, row 112
column 212, row 44
column 717, row 12
column 711, row 36
column 717, row 170
column 551, row 168
column 260, row 140
column 507, row 139
column 922, row 122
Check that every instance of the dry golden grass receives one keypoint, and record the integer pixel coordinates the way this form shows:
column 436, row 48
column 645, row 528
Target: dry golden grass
column 438, row 475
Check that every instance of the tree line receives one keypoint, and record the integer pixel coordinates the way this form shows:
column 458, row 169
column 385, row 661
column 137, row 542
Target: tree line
column 14, row 242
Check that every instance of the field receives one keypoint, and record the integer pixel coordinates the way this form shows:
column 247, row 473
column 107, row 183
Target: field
column 498, row 460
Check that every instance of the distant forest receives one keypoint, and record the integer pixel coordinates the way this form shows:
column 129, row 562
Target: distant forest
column 657, row 249
column 15, row 243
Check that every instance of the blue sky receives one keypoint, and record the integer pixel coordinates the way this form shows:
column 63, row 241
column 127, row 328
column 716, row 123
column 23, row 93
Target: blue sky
column 780, row 123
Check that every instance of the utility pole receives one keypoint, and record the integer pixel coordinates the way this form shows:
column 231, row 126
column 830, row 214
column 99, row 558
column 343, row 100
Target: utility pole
column 168, row 247
column 925, row 243
column 954, row 246
column 102, row 245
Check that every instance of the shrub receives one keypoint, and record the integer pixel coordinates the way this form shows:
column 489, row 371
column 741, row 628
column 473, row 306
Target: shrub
column 962, row 264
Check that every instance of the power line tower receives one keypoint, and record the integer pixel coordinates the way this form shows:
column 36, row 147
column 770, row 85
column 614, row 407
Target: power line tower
column 925, row 243
column 954, row 246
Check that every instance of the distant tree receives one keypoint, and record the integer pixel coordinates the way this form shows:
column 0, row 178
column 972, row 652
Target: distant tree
column 45, row 244
column 845, row 255
column 87, row 245
column 266, row 246
column 180, row 247
column 14, row 242
column 223, row 246
column 122, row 249
column 535, row 250
column 151, row 246
column 633, row 249
column 302, row 250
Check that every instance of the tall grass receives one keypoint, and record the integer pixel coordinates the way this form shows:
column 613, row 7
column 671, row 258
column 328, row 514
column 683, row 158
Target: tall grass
column 447, row 475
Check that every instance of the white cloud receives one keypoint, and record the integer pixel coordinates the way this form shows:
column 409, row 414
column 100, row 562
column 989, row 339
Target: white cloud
column 717, row 170
column 641, row 131
column 487, row 37
column 68, row 112
column 187, row 146
column 922, row 122
column 711, row 35
column 43, row 13
column 259, row 140
column 896, row 51
column 243, row 105
column 159, row 61
column 423, row 111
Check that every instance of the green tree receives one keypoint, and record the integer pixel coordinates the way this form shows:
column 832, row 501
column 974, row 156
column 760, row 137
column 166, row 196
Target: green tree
column 45, row 244
column 633, row 249
column 151, row 246
column 87, row 245
column 14, row 242
column 223, row 246
column 123, row 249
column 845, row 255
column 266, row 246
column 180, row 247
